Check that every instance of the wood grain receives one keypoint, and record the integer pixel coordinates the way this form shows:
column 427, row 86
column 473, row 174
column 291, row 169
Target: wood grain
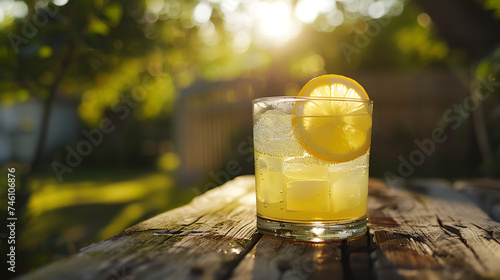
column 430, row 231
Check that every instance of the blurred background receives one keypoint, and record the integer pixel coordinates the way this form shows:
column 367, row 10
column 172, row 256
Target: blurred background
column 115, row 111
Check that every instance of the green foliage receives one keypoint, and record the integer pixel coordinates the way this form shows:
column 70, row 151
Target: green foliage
column 493, row 5
column 95, row 51
column 100, row 51
column 420, row 41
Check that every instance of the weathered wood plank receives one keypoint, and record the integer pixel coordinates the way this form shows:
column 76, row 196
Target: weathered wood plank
column 432, row 232
column 204, row 240
column 426, row 231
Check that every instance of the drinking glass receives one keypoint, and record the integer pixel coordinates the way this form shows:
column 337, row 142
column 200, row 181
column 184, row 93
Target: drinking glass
column 304, row 190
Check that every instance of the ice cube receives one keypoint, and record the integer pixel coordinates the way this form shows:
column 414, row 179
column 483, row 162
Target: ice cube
column 308, row 195
column 349, row 188
column 343, row 166
column 285, row 107
column 269, row 177
column 273, row 135
column 305, row 168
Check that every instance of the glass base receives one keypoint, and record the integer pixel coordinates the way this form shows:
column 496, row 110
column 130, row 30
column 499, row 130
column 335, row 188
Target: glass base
column 315, row 231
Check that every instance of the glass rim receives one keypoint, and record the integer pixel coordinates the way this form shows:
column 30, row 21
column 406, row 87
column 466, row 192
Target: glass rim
column 309, row 98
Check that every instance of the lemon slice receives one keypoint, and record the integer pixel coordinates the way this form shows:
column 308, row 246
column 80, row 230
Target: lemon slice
column 336, row 130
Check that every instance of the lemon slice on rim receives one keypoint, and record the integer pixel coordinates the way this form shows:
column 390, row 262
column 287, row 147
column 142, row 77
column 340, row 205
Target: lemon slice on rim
column 336, row 130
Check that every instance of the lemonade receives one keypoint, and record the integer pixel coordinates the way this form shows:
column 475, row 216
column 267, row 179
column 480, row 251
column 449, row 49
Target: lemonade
column 311, row 162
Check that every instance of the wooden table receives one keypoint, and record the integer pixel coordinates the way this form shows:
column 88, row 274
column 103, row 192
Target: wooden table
column 426, row 230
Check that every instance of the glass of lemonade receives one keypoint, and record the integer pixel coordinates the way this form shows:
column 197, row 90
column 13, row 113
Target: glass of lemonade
column 311, row 166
